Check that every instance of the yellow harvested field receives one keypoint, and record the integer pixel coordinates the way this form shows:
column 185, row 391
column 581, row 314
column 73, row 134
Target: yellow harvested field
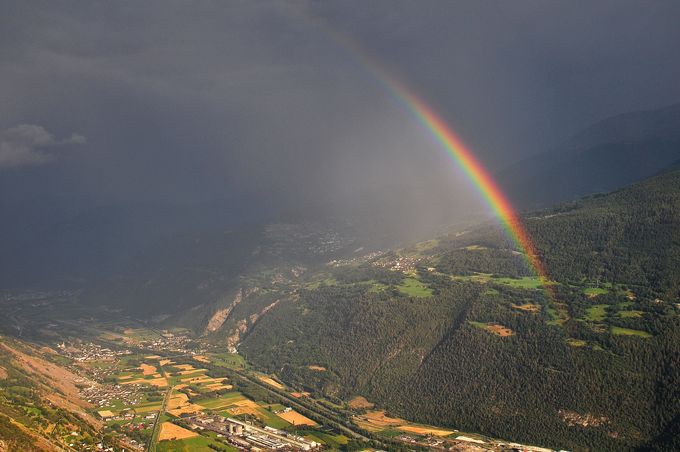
column 184, row 366
column 202, row 379
column 426, row 430
column 296, row 418
column 244, row 410
column 179, row 404
column 191, row 371
column 374, row 421
column 218, row 379
column 170, row 431
column 271, row 382
column 152, row 357
column 244, row 406
column 147, row 369
column 379, row 417
column 317, row 368
column 528, row 307
column 218, row 387
column 298, row 395
column 360, row 402
column 3, row 373
column 105, row 413
column 499, row 330
column 202, row 358
column 158, row 382
column 165, row 362
column 177, row 400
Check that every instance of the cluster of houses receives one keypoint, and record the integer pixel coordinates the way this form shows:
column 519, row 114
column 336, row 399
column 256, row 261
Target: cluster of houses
column 357, row 260
column 401, row 263
column 89, row 351
column 103, row 395
column 169, row 342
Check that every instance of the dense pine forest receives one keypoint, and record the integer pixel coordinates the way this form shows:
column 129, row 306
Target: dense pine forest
column 463, row 335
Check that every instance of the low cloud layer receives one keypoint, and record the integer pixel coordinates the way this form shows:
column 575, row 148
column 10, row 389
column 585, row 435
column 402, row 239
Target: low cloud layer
column 29, row 144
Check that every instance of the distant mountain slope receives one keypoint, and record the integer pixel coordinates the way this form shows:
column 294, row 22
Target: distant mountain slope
column 190, row 275
column 607, row 155
column 456, row 331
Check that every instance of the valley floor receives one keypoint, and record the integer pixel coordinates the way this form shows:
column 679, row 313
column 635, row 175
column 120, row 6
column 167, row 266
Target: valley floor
column 134, row 387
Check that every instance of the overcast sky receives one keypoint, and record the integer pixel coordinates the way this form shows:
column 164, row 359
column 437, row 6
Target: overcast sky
column 104, row 102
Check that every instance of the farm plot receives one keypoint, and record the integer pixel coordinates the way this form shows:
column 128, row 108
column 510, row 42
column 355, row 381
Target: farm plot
column 221, row 402
column 422, row 430
column 296, row 418
column 179, row 404
column 375, row 421
column 271, row 382
column 170, row 431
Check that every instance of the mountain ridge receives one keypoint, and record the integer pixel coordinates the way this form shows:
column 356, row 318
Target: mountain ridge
column 609, row 154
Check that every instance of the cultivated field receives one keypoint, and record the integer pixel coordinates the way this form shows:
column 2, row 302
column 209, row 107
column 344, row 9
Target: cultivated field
column 170, row 431
column 425, row 430
column 179, row 404
column 375, row 421
column 147, row 369
column 296, row 418
column 271, row 382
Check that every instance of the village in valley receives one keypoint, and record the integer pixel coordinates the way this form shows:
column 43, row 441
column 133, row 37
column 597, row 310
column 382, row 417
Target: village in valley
column 144, row 389
column 198, row 398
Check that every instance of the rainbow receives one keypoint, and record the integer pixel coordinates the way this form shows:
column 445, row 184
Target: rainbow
column 477, row 174
column 437, row 127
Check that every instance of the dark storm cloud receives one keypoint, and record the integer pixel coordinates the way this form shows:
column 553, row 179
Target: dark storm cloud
column 515, row 77
column 190, row 101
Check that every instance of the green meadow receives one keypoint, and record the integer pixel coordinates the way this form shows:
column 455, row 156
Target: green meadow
column 414, row 288
column 596, row 313
column 629, row 332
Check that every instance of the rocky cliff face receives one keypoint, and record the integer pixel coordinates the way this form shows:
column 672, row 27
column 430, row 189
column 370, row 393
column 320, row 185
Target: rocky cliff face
column 220, row 316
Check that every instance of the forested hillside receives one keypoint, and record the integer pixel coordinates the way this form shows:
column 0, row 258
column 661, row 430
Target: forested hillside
column 458, row 331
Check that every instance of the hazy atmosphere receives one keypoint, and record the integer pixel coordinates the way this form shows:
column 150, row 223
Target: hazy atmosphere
column 329, row 225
